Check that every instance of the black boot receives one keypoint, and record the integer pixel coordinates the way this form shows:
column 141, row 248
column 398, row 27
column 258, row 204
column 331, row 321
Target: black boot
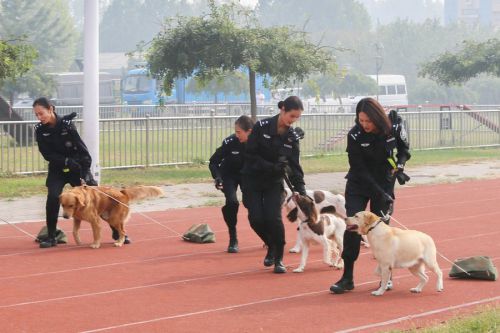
column 48, row 242
column 345, row 283
column 269, row 259
column 233, row 243
column 230, row 213
column 279, row 268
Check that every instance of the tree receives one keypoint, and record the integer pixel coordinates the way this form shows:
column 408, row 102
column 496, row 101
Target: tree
column 49, row 28
column 16, row 58
column 228, row 83
column 473, row 59
column 119, row 26
column 343, row 85
column 227, row 40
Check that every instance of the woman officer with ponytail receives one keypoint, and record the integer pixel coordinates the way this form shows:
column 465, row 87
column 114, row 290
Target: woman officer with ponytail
column 272, row 152
column 68, row 157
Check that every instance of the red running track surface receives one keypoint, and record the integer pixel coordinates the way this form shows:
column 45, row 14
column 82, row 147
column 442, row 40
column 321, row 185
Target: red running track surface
column 163, row 284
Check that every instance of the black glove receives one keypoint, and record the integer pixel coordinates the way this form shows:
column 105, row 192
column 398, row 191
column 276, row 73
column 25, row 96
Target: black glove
column 280, row 167
column 72, row 165
column 401, row 176
column 88, row 178
column 300, row 132
column 218, row 183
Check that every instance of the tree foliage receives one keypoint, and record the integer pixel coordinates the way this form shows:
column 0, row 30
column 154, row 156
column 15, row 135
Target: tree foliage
column 49, row 28
column 16, row 58
column 335, row 85
column 229, row 39
column 127, row 23
column 473, row 59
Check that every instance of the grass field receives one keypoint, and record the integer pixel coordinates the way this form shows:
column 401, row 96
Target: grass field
column 18, row 186
column 484, row 320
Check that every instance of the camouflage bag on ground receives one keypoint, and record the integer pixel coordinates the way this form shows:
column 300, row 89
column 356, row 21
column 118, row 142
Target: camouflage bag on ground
column 60, row 236
column 199, row 233
column 480, row 267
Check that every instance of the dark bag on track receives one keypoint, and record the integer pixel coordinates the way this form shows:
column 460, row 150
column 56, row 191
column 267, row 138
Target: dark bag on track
column 199, row 233
column 479, row 267
column 60, row 236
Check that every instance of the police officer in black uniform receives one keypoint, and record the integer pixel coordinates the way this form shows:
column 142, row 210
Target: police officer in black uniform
column 272, row 150
column 225, row 166
column 68, row 157
column 374, row 168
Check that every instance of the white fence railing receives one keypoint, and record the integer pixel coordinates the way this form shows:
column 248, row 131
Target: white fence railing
column 165, row 140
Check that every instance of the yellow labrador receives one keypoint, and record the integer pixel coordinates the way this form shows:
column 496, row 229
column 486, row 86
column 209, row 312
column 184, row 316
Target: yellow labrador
column 396, row 248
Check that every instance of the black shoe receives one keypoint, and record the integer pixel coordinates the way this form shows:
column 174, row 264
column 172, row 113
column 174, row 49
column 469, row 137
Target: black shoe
column 49, row 242
column 279, row 268
column 233, row 246
column 342, row 286
column 269, row 259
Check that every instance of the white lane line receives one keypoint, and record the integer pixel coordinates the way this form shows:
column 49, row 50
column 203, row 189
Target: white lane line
column 191, row 254
column 235, row 306
column 419, row 315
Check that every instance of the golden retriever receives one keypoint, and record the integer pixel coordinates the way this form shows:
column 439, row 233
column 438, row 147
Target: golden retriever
column 396, row 248
column 93, row 203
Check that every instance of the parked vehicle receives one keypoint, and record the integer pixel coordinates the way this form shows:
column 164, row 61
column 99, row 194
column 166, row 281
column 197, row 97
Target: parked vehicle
column 139, row 88
column 69, row 88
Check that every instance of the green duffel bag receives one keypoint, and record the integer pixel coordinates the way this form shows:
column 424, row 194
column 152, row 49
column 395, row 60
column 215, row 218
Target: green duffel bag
column 199, row 233
column 60, row 236
column 480, row 267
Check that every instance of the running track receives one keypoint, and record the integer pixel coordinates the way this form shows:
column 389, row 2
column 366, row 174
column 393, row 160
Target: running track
column 163, row 284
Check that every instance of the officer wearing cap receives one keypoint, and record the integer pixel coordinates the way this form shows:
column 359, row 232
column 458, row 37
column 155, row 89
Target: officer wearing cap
column 225, row 166
column 374, row 168
column 68, row 157
column 272, row 152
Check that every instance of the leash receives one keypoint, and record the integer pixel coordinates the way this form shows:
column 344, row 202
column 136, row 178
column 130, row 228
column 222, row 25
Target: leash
column 121, row 203
column 389, row 217
column 288, row 182
column 16, row 227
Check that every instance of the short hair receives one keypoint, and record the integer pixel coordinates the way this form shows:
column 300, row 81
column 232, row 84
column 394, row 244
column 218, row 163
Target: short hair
column 375, row 112
column 245, row 123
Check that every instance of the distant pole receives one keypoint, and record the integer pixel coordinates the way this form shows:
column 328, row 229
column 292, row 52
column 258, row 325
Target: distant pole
column 91, row 83
column 378, row 62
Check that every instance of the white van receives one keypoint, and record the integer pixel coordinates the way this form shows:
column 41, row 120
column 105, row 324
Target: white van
column 391, row 91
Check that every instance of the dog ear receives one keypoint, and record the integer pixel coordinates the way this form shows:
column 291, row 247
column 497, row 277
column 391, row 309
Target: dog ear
column 372, row 218
column 328, row 210
column 293, row 215
column 80, row 199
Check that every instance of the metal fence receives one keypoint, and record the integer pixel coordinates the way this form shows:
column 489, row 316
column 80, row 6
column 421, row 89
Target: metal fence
column 166, row 140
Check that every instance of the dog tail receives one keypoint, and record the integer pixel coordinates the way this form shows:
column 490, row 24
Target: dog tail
column 142, row 192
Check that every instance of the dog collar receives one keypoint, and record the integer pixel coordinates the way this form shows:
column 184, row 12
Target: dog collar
column 371, row 228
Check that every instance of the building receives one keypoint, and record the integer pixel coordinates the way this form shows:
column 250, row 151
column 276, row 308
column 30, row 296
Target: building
column 473, row 12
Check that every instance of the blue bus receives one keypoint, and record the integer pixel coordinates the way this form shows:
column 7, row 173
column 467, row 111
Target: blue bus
column 139, row 88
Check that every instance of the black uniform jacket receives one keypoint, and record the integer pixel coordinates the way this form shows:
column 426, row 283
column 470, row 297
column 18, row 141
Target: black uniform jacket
column 265, row 147
column 60, row 142
column 227, row 160
column 368, row 156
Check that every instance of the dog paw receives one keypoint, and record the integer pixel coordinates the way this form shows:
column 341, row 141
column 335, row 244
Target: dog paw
column 415, row 290
column 117, row 244
column 365, row 244
column 299, row 270
column 294, row 250
column 95, row 245
column 339, row 266
column 377, row 292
